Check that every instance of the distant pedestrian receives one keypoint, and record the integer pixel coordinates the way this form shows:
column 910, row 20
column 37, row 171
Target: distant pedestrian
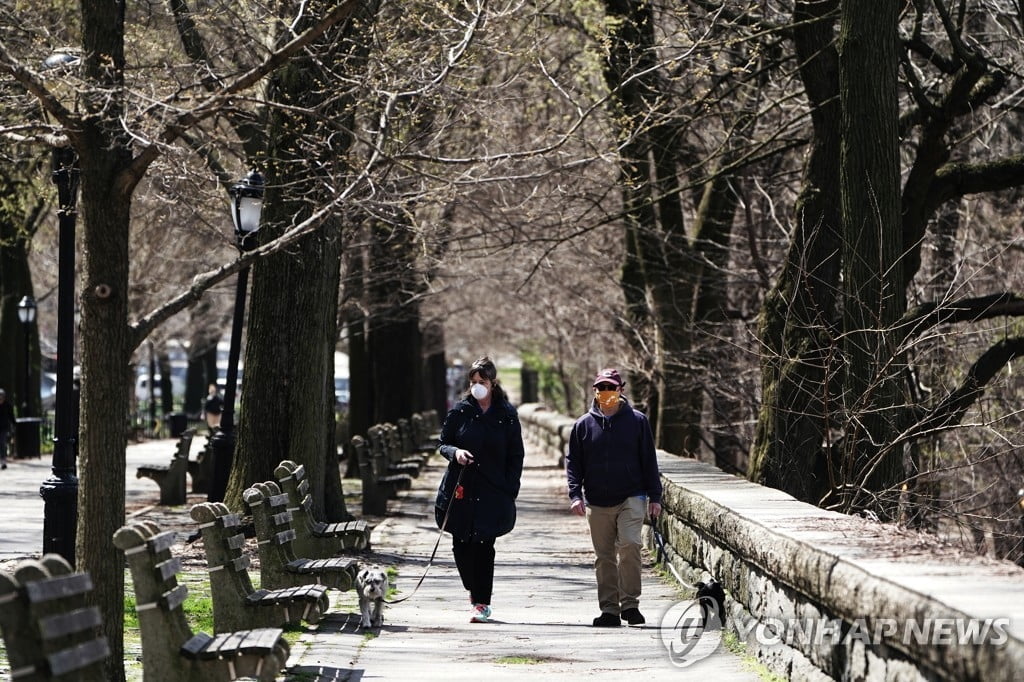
column 213, row 407
column 7, row 422
column 476, row 502
column 612, row 471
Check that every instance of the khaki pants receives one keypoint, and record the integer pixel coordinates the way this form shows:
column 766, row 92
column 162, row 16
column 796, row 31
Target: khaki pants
column 615, row 532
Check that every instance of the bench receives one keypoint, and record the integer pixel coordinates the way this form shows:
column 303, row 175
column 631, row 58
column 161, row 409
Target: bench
column 50, row 629
column 171, row 477
column 200, row 469
column 412, row 443
column 235, row 603
column 427, row 427
column 280, row 566
column 314, row 538
column 170, row 650
column 378, row 485
column 385, row 443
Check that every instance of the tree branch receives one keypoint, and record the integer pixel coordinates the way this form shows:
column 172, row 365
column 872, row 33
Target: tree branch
column 213, row 104
column 951, row 410
column 929, row 315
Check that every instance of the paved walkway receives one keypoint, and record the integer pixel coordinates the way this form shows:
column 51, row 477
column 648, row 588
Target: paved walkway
column 544, row 601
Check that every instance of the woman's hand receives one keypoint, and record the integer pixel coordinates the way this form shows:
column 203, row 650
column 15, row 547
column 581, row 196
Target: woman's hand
column 464, row 457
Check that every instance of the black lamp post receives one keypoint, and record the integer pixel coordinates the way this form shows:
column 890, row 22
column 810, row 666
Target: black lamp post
column 60, row 491
column 246, row 206
column 27, row 315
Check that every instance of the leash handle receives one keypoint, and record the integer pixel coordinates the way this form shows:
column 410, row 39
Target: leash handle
column 437, row 543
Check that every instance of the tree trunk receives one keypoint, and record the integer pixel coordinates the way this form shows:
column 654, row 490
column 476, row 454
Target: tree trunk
column 393, row 334
column 106, row 195
column 797, row 324
column 292, row 331
column 873, row 286
column 713, row 233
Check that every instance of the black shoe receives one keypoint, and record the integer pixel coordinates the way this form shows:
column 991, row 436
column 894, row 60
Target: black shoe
column 633, row 616
column 3, row 466
column 607, row 620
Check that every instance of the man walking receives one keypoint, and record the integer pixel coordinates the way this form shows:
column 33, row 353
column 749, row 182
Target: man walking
column 613, row 477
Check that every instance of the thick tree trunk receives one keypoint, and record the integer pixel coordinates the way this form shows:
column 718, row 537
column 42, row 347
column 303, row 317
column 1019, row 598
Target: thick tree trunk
column 713, row 233
column 873, row 285
column 292, row 331
column 105, row 211
column 798, row 315
column 15, row 283
column 393, row 329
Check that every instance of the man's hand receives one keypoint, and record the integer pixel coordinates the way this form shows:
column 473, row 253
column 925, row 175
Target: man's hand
column 464, row 457
column 654, row 509
column 578, row 507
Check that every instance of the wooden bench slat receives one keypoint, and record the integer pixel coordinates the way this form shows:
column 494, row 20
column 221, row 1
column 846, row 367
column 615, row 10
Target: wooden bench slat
column 79, row 656
column 284, row 536
column 39, row 591
column 169, row 568
column 230, row 520
column 172, row 599
column 62, row 624
column 194, row 646
column 161, row 542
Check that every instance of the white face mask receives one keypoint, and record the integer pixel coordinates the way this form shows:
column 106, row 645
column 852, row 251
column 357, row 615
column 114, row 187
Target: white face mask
column 478, row 391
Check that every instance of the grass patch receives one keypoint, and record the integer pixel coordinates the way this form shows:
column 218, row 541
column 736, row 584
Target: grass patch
column 517, row 660
column 731, row 643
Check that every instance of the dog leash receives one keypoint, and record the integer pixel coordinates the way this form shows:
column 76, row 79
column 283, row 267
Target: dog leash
column 437, row 543
column 662, row 557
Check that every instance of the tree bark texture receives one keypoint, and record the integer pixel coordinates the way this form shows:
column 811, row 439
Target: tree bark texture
column 105, row 210
column 289, row 368
column 874, row 297
column 797, row 326
column 660, row 266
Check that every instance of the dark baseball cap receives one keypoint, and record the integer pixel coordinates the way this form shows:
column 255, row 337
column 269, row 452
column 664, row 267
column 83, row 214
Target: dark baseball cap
column 609, row 376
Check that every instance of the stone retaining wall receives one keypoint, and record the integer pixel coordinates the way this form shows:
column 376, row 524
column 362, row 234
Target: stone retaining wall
column 818, row 595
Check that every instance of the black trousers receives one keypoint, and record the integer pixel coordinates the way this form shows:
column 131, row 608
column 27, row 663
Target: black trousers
column 475, row 561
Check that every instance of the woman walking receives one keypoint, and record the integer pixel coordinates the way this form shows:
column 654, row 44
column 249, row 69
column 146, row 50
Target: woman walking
column 476, row 502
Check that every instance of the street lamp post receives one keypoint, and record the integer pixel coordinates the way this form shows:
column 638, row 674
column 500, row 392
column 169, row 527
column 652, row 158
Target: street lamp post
column 246, row 206
column 60, row 490
column 27, row 315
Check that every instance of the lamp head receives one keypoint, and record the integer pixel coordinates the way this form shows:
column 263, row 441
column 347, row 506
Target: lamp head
column 27, row 310
column 246, row 207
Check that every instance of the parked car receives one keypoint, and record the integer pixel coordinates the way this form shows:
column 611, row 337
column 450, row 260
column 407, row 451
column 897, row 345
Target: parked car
column 142, row 385
column 48, row 390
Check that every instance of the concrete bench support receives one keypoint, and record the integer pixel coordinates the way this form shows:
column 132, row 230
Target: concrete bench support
column 171, row 477
column 315, row 538
column 280, row 566
column 170, row 650
column 236, row 605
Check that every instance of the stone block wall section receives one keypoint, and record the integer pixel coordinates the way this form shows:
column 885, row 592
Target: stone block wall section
column 818, row 595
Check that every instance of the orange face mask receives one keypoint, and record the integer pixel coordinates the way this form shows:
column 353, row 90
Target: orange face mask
column 606, row 400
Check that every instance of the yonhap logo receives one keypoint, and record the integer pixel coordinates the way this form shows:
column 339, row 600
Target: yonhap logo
column 691, row 631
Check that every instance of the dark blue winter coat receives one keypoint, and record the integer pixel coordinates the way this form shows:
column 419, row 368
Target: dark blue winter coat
column 486, row 507
column 612, row 458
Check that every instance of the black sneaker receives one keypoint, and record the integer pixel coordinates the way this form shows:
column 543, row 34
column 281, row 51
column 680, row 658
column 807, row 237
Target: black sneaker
column 633, row 616
column 607, row 620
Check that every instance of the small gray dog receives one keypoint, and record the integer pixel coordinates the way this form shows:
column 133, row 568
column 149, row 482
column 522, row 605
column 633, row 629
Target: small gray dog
column 372, row 587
